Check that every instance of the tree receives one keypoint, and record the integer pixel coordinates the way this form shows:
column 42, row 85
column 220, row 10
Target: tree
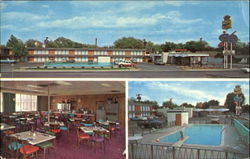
column 17, row 46
column 194, row 46
column 169, row 104
column 186, row 105
column 129, row 43
column 33, row 43
column 168, row 46
column 213, row 103
column 153, row 48
column 242, row 48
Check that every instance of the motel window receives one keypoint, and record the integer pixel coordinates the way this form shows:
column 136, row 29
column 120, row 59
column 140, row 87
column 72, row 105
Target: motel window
column 26, row 102
column 132, row 108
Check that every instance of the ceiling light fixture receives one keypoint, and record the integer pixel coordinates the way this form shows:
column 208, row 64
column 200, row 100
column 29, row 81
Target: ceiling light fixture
column 105, row 85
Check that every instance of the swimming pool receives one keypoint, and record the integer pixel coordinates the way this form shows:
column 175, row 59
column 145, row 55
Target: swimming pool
column 209, row 135
column 78, row 64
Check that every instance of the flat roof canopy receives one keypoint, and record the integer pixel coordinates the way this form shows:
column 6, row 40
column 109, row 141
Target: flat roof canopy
column 187, row 55
column 211, row 110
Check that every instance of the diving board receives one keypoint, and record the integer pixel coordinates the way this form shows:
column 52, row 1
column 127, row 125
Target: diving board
column 180, row 142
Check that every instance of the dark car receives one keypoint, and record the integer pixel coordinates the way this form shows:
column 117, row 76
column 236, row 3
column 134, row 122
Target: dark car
column 135, row 118
column 151, row 123
column 159, row 63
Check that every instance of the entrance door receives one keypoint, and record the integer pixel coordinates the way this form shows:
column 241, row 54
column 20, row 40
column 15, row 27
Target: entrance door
column 178, row 119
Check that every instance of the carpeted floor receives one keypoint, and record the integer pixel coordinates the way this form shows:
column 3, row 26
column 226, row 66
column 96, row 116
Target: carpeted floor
column 66, row 148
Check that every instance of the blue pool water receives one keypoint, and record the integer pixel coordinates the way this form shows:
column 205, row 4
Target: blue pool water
column 79, row 64
column 198, row 135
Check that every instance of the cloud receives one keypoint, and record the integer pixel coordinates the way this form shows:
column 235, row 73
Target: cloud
column 144, row 97
column 194, row 93
column 79, row 22
column 3, row 5
column 23, row 16
column 45, row 6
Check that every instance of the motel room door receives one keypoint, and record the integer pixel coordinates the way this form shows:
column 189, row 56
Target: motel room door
column 178, row 119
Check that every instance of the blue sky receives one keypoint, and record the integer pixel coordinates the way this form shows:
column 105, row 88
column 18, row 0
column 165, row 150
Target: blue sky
column 186, row 91
column 156, row 21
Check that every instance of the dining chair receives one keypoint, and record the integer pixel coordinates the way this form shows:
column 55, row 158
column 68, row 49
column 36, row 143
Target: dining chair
column 87, row 124
column 81, row 136
column 65, row 127
column 78, row 115
column 99, row 138
column 45, row 146
column 28, row 150
column 13, row 146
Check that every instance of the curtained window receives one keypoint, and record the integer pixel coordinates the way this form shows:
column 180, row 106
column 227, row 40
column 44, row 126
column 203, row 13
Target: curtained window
column 25, row 102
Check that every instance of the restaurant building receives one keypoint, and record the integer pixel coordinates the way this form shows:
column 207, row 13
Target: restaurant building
column 85, row 54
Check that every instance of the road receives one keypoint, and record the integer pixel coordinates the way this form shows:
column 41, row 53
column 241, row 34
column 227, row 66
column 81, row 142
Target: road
column 128, row 74
column 144, row 71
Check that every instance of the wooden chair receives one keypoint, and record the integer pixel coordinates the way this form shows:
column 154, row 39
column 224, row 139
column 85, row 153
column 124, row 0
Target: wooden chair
column 12, row 146
column 81, row 136
column 46, row 145
column 99, row 137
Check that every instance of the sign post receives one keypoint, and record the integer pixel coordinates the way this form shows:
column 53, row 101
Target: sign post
column 228, row 41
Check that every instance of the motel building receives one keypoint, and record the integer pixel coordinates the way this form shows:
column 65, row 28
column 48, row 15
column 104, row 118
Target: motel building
column 140, row 109
column 85, row 55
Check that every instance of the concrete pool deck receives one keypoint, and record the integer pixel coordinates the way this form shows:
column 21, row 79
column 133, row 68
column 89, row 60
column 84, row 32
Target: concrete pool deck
column 231, row 141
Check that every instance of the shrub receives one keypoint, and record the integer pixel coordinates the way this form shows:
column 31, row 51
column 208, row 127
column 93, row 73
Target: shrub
column 83, row 67
column 45, row 67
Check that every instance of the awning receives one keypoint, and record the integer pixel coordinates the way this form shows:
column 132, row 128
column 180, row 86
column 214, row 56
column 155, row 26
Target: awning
column 211, row 110
column 187, row 55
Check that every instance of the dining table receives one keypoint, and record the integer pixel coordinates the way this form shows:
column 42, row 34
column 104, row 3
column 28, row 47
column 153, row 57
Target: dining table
column 54, row 123
column 106, row 123
column 34, row 137
column 89, row 130
column 4, row 126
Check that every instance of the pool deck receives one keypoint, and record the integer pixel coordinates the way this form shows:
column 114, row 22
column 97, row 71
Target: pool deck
column 231, row 140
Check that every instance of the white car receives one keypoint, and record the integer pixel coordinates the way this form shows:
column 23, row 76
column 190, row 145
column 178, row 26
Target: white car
column 246, row 69
column 127, row 64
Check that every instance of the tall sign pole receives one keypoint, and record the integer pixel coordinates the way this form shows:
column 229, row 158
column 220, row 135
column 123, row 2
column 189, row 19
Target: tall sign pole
column 228, row 40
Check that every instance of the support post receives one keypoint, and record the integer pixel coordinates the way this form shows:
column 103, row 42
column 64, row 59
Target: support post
column 48, row 104
column 152, row 151
column 231, row 51
column 173, row 152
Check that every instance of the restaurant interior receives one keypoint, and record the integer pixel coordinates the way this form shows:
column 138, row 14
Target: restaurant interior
column 63, row 119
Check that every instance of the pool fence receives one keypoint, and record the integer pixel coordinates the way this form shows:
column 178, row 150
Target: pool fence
column 152, row 151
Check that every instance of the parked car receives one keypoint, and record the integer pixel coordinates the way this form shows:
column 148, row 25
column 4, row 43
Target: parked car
column 117, row 62
column 150, row 123
column 139, row 118
column 134, row 61
column 135, row 118
column 127, row 64
column 247, row 70
column 159, row 63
